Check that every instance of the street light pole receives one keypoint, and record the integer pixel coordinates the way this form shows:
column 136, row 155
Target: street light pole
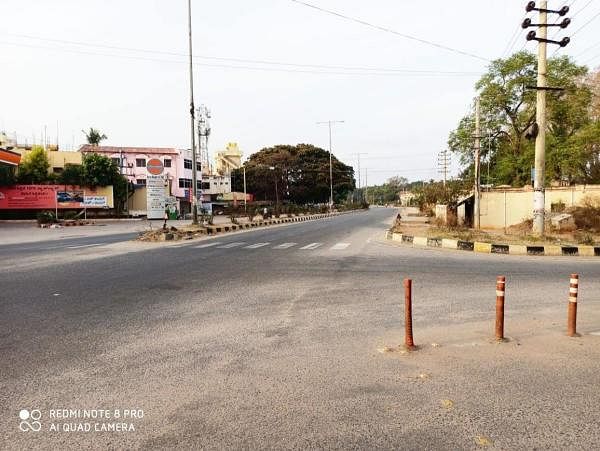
column 330, row 161
column 194, row 187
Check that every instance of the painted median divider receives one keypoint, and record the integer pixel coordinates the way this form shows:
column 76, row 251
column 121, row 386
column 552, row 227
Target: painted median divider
column 493, row 248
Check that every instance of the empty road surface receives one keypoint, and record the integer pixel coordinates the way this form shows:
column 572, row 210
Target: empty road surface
column 288, row 337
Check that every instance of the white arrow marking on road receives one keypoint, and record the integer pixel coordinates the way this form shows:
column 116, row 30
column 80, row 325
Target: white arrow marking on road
column 340, row 246
column 257, row 245
column 83, row 245
column 311, row 246
column 230, row 245
column 207, row 245
column 285, row 246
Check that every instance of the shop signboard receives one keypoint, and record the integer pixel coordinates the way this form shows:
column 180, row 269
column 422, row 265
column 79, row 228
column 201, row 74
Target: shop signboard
column 155, row 196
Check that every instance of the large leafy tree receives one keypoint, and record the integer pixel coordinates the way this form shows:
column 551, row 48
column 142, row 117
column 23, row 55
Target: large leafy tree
column 387, row 192
column 298, row 174
column 94, row 136
column 72, row 174
column 99, row 170
column 508, row 111
column 34, row 167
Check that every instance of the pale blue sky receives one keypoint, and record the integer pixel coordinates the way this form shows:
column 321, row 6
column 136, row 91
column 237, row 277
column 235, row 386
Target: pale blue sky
column 400, row 120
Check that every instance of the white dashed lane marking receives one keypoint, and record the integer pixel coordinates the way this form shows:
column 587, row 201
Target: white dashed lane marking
column 257, row 245
column 285, row 246
column 340, row 246
column 311, row 246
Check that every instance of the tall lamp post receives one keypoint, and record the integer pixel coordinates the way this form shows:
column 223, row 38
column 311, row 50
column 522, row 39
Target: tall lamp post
column 330, row 162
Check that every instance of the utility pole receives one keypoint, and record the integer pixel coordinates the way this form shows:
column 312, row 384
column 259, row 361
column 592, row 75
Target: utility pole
column 245, row 195
column 477, row 210
column 330, row 162
column 358, row 154
column 194, row 186
column 539, row 196
column 367, row 185
column 444, row 164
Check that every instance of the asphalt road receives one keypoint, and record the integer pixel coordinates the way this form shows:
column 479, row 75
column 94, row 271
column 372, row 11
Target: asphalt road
column 15, row 251
column 276, row 338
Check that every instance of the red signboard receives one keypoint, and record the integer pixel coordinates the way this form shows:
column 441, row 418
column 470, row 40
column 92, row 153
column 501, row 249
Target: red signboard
column 28, row 197
column 35, row 197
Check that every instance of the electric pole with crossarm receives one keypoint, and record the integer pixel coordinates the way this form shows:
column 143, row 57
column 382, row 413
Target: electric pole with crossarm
column 539, row 197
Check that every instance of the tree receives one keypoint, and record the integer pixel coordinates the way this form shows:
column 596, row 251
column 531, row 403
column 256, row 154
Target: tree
column 386, row 193
column 432, row 193
column 34, row 167
column 7, row 176
column 72, row 174
column 508, row 110
column 297, row 174
column 99, row 170
column 94, row 137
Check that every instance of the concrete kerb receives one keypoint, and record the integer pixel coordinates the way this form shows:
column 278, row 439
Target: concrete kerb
column 492, row 248
column 212, row 230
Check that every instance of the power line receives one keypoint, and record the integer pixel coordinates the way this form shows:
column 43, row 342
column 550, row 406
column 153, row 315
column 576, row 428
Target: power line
column 580, row 28
column 586, row 24
column 336, row 70
column 389, row 30
column 230, row 59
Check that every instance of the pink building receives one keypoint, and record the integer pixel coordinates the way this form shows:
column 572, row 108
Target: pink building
column 178, row 170
column 133, row 160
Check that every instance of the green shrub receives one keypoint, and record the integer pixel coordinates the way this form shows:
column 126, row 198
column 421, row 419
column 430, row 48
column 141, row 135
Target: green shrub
column 587, row 216
column 46, row 217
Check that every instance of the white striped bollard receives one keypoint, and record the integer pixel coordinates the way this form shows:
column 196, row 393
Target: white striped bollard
column 572, row 312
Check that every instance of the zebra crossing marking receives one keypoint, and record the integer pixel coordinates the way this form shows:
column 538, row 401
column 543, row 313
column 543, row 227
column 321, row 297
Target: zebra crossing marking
column 256, row 246
column 231, row 245
column 285, row 246
column 311, row 246
column 339, row 246
column 207, row 245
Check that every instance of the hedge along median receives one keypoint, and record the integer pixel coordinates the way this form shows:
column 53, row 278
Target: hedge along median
column 493, row 248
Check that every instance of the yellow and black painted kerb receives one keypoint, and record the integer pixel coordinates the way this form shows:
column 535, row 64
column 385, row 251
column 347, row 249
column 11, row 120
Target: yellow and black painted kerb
column 493, row 248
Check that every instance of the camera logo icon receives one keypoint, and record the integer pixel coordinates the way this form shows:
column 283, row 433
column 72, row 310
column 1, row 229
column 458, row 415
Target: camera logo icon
column 30, row 420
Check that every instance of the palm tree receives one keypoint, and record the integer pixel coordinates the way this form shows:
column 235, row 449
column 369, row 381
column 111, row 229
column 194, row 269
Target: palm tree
column 94, row 137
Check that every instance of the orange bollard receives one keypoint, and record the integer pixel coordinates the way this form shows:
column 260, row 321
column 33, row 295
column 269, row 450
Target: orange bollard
column 572, row 311
column 500, row 290
column 408, row 333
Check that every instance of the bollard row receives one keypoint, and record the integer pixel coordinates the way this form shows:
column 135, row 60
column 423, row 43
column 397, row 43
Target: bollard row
column 500, row 297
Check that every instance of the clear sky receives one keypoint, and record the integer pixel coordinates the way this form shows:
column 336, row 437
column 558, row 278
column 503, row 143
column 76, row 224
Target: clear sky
column 120, row 66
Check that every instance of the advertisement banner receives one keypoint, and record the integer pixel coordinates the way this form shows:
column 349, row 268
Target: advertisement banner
column 27, row 197
column 95, row 201
column 155, row 196
column 50, row 197
column 69, row 199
